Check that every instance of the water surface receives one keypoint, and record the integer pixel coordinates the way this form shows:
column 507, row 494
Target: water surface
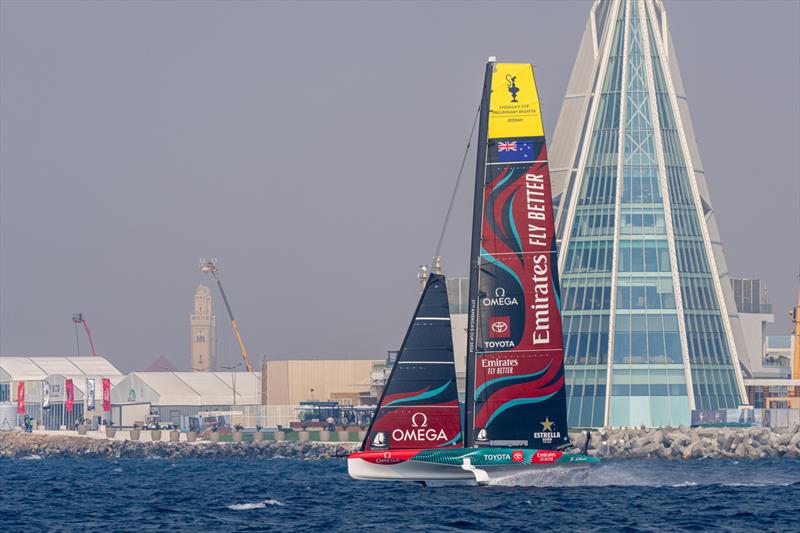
column 282, row 494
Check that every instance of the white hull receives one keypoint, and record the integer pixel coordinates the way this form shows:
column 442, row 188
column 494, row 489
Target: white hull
column 424, row 471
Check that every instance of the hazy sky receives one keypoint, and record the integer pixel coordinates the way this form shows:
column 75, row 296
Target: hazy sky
column 312, row 148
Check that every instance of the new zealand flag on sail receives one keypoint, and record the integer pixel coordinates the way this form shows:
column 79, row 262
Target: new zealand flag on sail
column 515, row 151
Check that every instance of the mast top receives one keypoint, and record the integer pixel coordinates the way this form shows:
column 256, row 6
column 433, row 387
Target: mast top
column 492, row 59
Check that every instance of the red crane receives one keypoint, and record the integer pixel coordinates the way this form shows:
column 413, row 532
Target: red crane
column 77, row 318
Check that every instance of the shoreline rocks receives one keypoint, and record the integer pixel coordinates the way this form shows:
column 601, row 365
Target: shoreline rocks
column 692, row 443
column 19, row 445
column 624, row 443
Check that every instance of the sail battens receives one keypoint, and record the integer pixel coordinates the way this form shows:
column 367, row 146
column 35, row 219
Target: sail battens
column 515, row 382
column 499, row 254
column 427, row 363
column 515, row 162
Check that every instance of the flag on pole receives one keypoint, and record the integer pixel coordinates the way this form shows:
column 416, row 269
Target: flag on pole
column 106, row 394
column 90, row 395
column 45, row 395
column 21, row 397
column 69, row 390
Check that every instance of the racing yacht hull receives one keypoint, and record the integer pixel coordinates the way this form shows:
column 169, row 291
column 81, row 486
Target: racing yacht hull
column 457, row 464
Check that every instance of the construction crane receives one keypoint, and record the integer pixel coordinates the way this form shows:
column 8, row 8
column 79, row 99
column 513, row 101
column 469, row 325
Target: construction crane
column 210, row 267
column 77, row 318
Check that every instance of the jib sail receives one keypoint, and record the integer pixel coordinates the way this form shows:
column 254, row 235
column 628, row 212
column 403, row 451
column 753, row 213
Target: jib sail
column 515, row 376
column 419, row 404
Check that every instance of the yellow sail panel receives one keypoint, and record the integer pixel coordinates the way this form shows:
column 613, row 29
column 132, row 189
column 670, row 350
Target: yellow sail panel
column 514, row 103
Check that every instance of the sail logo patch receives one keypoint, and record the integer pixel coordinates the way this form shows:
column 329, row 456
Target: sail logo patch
column 511, row 82
column 547, row 434
column 499, row 299
column 380, row 440
column 499, row 327
column 419, row 431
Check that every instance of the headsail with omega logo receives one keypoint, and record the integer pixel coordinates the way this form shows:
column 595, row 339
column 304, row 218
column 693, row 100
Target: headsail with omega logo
column 419, row 405
column 515, row 377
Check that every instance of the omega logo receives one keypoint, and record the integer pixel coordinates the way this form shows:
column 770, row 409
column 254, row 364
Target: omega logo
column 414, row 422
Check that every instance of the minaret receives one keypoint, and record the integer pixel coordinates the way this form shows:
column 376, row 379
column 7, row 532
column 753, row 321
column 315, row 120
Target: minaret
column 203, row 324
column 651, row 330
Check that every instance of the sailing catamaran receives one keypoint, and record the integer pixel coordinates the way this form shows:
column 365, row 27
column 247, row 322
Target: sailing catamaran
column 515, row 404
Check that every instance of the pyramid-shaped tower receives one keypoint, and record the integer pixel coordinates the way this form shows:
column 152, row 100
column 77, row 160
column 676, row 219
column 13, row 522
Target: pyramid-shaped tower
column 650, row 325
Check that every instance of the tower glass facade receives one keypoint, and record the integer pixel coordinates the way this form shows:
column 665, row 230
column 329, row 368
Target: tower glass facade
column 647, row 336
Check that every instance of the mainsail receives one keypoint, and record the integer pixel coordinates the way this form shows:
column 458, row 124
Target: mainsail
column 419, row 405
column 515, row 378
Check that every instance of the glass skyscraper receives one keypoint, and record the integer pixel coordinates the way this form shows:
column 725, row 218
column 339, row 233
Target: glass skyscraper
column 650, row 326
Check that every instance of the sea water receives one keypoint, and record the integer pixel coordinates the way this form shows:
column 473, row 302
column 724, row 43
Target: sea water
column 289, row 495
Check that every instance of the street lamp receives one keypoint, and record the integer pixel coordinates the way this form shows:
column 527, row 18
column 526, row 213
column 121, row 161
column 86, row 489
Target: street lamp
column 233, row 378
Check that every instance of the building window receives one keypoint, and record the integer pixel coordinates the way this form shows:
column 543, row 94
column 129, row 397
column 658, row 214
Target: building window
column 201, row 338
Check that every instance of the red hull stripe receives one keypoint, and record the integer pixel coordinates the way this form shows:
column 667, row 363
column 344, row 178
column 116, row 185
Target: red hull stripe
column 385, row 458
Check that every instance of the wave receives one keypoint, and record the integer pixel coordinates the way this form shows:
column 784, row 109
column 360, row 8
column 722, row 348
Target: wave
column 253, row 505
column 643, row 475
column 32, row 457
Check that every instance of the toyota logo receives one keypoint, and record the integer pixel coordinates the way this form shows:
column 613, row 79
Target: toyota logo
column 499, row 327
column 421, row 416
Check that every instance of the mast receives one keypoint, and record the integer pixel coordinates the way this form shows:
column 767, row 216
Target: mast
column 475, row 248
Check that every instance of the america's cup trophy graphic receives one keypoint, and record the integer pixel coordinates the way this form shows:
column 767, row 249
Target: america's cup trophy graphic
column 512, row 86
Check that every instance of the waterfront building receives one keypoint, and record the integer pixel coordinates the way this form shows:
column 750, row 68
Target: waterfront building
column 778, row 352
column 289, row 382
column 458, row 297
column 184, row 398
column 84, row 374
column 202, row 324
column 755, row 312
column 783, row 350
column 650, row 323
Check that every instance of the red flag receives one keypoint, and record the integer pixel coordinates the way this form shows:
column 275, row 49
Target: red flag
column 21, row 397
column 106, row 394
column 70, row 391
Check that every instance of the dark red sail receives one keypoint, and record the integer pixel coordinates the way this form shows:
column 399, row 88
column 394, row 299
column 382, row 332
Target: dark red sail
column 515, row 382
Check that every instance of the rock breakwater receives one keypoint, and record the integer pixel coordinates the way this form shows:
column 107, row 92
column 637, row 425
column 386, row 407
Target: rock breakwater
column 692, row 443
column 25, row 445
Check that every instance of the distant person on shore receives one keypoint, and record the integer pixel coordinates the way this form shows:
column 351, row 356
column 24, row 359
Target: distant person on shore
column 331, row 424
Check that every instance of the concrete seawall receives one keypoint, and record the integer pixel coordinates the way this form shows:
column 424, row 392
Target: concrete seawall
column 664, row 443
